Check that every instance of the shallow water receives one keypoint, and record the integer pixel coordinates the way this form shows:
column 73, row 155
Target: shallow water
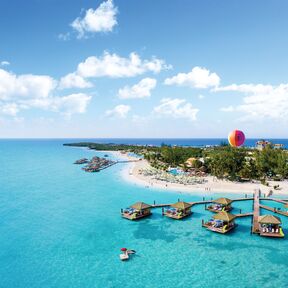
column 61, row 227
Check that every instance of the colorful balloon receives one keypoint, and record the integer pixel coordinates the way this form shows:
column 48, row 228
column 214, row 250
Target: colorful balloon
column 236, row 138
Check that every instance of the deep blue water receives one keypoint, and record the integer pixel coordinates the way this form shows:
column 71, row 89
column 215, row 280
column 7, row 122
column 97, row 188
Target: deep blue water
column 61, row 227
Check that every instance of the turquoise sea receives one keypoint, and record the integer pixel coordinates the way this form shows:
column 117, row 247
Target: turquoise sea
column 61, row 227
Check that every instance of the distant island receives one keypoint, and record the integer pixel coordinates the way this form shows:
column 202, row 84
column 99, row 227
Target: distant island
column 262, row 163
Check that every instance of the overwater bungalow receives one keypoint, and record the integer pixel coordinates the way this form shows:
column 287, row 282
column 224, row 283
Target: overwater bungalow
column 220, row 204
column 178, row 210
column 221, row 222
column 137, row 211
column 270, row 226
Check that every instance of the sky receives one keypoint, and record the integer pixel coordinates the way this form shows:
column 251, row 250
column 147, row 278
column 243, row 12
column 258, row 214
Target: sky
column 143, row 68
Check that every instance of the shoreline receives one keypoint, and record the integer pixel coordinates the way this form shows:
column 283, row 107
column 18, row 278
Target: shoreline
column 131, row 173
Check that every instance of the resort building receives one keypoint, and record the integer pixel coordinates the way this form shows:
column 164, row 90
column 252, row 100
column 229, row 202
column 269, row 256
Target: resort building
column 260, row 145
column 178, row 210
column 221, row 222
column 220, row 204
column 278, row 146
column 137, row 211
column 269, row 226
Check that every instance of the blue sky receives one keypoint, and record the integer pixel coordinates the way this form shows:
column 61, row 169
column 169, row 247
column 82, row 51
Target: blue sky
column 143, row 68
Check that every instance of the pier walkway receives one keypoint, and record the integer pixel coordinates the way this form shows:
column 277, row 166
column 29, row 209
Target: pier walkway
column 128, row 161
column 256, row 212
column 244, row 214
column 203, row 203
column 275, row 200
column 281, row 212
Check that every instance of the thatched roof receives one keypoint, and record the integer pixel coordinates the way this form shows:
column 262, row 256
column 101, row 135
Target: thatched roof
column 269, row 219
column 224, row 216
column 181, row 205
column 223, row 201
column 140, row 206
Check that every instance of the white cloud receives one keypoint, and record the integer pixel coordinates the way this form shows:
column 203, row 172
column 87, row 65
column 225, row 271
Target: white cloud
column 25, row 86
column 139, row 90
column 176, row 108
column 70, row 104
column 200, row 96
column 19, row 92
column 102, row 19
column 246, row 88
column 4, row 63
column 197, row 78
column 72, row 80
column 114, row 66
column 10, row 109
column 261, row 101
column 120, row 111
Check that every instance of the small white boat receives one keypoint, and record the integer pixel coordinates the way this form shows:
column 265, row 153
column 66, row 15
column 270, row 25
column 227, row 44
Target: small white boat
column 124, row 256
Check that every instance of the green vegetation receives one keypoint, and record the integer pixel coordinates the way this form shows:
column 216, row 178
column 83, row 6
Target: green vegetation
column 108, row 146
column 235, row 164
column 248, row 164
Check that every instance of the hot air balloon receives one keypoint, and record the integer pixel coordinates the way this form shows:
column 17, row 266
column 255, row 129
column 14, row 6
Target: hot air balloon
column 236, row 138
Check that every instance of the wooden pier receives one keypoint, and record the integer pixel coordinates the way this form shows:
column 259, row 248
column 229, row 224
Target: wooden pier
column 192, row 203
column 275, row 200
column 128, row 161
column 256, row 212
column 277, row 211
column 256, row 226
column 201, row 203
column 244, row 215
column 160, row 205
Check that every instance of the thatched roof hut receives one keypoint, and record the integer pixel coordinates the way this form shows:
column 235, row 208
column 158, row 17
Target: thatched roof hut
column 269, row 219
column 223, row 201
column 140, row 206
column 181, row 205
column 224, row 216
column 183, row 209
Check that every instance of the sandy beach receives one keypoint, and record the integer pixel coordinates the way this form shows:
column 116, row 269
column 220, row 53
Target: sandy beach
column 132, row 173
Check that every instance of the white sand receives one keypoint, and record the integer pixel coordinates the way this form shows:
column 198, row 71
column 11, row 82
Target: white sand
column 131, row 173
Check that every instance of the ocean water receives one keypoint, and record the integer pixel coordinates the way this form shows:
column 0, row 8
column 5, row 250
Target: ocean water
column 195, row 142
column 61, row 227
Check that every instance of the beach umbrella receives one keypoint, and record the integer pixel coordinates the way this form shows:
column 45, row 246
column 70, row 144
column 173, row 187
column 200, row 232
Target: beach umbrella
column 236, row 138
